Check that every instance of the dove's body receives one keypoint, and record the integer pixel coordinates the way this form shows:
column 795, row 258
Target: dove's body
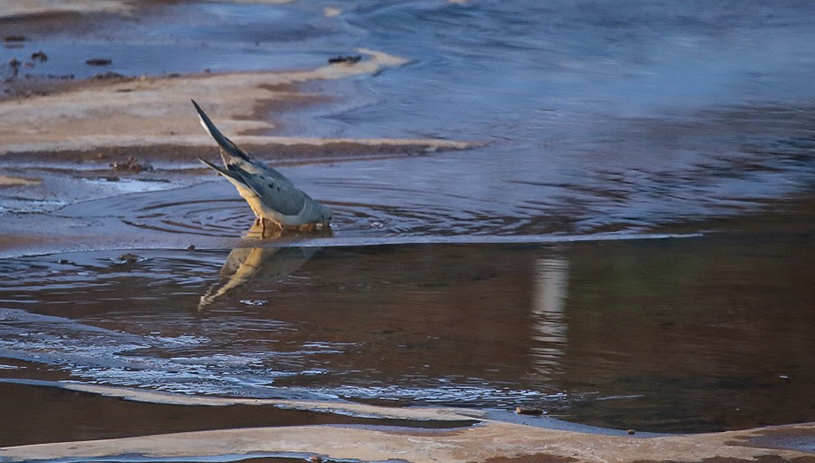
column 269, row 193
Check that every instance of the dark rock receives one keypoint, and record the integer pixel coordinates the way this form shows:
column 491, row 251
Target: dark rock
column 351, row 59
column 99, row 61
column 39, row 56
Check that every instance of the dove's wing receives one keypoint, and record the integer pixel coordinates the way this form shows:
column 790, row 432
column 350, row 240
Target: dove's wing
column 279, row 197
column 233, row 178
column 258, row 168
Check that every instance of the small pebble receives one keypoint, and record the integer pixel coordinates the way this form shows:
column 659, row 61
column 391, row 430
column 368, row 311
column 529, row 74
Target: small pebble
column 39, row 56
column 132, row 165
column 108, row 75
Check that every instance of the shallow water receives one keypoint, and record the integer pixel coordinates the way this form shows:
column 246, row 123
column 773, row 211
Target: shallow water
column 597, row 119
column 665, row 335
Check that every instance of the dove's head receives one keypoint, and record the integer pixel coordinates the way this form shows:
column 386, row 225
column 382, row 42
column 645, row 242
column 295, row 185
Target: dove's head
column 326, row 216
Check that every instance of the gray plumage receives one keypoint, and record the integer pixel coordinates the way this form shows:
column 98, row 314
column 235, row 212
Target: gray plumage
column 269, row 193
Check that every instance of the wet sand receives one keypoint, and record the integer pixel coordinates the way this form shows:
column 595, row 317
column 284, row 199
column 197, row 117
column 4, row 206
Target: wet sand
column 145, row 113
column 489, row 440
column 122, row 130
column 6, row 180
column 19, row 8
column 45, row 408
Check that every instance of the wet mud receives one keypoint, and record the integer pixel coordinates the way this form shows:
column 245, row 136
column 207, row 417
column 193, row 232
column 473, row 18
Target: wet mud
column 42, row 412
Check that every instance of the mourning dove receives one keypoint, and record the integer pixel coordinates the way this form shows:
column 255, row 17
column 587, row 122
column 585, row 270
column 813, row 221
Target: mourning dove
column 271, row 195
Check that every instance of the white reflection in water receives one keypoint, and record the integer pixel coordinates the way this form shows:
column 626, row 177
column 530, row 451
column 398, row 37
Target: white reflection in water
column 549, row 321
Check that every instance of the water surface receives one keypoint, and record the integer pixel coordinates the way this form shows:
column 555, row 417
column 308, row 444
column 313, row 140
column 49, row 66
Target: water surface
column 668, row 335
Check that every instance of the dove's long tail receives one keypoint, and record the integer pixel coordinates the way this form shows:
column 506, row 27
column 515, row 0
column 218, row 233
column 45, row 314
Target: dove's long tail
column 225, row 143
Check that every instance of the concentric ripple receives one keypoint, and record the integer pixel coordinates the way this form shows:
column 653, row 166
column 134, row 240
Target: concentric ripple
column 214, row 217
column 232, row 217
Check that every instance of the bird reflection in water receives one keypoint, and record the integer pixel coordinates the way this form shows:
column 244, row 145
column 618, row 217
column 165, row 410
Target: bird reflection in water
column 255, row 264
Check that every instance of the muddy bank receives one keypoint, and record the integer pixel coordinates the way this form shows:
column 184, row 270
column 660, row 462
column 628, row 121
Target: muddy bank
column 6, row 180
column 156, row 111
column 115, row 155
column 21, row 8
column 43, row 411
column 489, row 440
